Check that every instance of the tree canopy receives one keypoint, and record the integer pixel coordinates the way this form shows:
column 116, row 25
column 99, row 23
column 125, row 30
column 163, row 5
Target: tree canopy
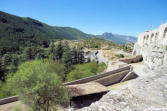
column 39, row 85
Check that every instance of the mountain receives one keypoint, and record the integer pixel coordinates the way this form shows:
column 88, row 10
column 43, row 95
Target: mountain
column 119, row 39
column 18, row 31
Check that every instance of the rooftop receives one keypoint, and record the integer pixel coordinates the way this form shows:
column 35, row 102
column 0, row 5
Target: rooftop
column 87, row 88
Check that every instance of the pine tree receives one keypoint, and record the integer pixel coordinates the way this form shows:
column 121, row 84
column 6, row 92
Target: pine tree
column 29, row 53
column 66, row 59
column 74, row 54
column 52, row 49
column 6, row 59
column 59, row 51
column 2, row 72
column 81, row 57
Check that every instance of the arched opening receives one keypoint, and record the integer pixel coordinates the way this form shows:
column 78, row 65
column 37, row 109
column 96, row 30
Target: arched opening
column 165, row 33
column 147, row 38
column 144, row 39
column 156, row 36
column 152, row 35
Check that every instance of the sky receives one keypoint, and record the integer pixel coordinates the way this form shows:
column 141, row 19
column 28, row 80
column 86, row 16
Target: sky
column 127, row 17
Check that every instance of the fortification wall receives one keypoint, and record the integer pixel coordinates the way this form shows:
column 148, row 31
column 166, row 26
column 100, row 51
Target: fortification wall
column 92, row 78
column 9, row 100
column 112, row 79
column 157, row 36
column 152, row 46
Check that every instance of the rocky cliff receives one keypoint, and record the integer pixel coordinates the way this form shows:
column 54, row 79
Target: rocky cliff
column 152, row 45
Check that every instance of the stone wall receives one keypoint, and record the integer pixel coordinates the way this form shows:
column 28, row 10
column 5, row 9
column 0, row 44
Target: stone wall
column 92, row 78
column 9, row 100
column 152, row 46
column 112, row 79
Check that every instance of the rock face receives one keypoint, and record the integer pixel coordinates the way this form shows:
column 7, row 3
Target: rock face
column 146, row 93
column 119, row 39
column 152, row 46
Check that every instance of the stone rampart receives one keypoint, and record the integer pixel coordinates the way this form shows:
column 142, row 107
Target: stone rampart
column 152, row 46
column 112, row 79
column 92, row 78
column 9, row 100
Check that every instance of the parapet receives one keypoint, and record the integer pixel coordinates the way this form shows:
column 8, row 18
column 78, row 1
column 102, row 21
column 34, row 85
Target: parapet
column 158, row 35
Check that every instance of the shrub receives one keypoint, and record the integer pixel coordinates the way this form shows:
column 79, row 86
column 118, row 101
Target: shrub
column 5, row 90
column 39, row 86
column 120, row 55
column 101, row 67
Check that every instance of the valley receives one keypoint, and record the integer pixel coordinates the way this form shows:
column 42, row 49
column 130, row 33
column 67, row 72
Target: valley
column 53, row 67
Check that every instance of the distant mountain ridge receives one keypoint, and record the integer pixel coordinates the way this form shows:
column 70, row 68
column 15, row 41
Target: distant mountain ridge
column 18, row 32
column 119, row 39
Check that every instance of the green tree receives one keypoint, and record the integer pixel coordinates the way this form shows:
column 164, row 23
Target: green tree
column 77, row 56
column 6, row 59
column 52, row 48
column 2, row 72
column 74, row 55
column 29, row 54
column 80, row 56
column 14, row 59
column 41, row 54
column 5, row 90
column 39, row 86
column 66, row 60
column 59, row 50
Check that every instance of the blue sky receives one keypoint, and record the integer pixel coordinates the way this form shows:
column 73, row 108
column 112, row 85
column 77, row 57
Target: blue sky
column 127, row 17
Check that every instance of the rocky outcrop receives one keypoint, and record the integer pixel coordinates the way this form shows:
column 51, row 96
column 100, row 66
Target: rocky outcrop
column 147, row 93
column 152, row 46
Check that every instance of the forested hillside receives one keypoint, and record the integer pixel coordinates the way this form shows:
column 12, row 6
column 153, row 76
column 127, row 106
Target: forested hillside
column 17, row 32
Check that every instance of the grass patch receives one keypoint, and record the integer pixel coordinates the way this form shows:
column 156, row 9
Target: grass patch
column 85, row 70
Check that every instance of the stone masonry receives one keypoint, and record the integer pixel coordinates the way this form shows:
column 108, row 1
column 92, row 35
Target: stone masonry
column 152, row 46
